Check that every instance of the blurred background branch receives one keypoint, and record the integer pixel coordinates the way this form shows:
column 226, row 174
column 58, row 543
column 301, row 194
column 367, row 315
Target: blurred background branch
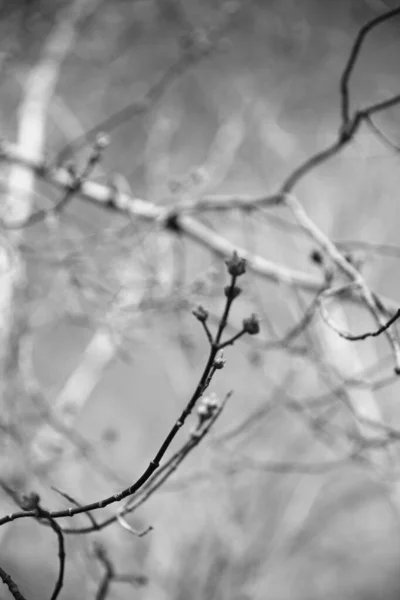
column 256, row 127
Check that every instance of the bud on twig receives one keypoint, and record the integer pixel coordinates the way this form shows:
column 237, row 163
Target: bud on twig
column 236, row 266
column 200, row 313
column 251, row 325
column 212, row 401
column 30, row 501
column 232, row 292
column 219, row 361
column 207, row 408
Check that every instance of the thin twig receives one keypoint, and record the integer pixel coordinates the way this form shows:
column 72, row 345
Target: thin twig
column 110, row 575
column 61, row 556
column 354, row 53
column 12, row 586
column 235, row 264
column 192, row 56
column 159, row 478
column 349, row 336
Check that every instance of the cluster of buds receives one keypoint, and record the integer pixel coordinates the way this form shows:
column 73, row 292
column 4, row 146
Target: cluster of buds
column 205, row 411
column 207, row 407
column 236, row 267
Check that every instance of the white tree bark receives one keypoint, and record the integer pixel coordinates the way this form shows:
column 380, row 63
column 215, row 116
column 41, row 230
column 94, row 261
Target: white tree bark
column 38, row 90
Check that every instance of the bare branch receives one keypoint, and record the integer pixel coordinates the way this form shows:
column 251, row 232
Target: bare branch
column 110, row 575
column 12, row 586
column 362, row 336
column 236, row 268
column 354, row 53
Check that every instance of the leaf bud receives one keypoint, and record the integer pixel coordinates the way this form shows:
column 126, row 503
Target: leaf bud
column 219, row 361
column 200, row 313
column 251, row 325
column 236, row 266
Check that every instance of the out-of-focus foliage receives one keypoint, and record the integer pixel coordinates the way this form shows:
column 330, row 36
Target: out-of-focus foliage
column 234, row 522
